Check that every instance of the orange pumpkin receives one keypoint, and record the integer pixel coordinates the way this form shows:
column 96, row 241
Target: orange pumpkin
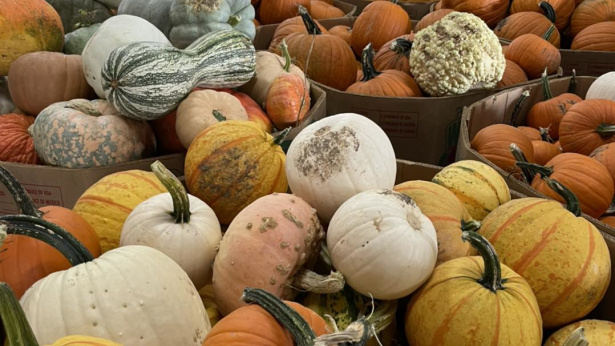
column 609, row 220
column 513, row 74
column 531, row 133
column 588, row 125
column 277, row 11
column 527, row 22
column 490, row 11
column 255, row 113
column 341, row 31
column 533, row 53
column 493, row 143
column 16, row 144
column 167, row 141
column 591, row 12
column 322, row 10
column 288, row 100
column 289, row 26
column 394, row 54
column 605, row 154
column 378, row 23
column 431, row 18
column 597, row 37
column 563, row 9
column 544, row 151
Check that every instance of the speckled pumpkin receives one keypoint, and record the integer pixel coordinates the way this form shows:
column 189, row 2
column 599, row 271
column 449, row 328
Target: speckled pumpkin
column 596, row 332
column 233, row 163
column 106, row 204
column 84, row 134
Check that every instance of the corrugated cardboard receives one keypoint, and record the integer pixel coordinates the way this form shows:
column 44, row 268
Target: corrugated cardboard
column 407, row 170
column 416, row 10
column 49, row 185
column 587, row 63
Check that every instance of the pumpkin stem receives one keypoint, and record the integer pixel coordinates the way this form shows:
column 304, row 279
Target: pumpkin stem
column 548, row 33
column 544, row 135
column 470, row 226
column 549, row 11
column 492, row 275
column 218, row 115
column 572, row 202
column 49, row 233
column 83, row 106
column 279, row 138
column 289, row 318
column 528, row 174
column 356, row 334
column 310, row 281
column 367, row 61
column 234, row 20
column 382, row 315
column 606, row 130
column 572, row 88
column 401, row 46
column 181, row 203
column 13, row 320
column 310, row 25
column 518, row 105
column 25, row 205
column 546, row 88
column 577, row 338
column 287, row 59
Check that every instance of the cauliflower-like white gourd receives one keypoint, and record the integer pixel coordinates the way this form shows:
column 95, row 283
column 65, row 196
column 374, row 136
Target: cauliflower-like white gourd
column 457, row 53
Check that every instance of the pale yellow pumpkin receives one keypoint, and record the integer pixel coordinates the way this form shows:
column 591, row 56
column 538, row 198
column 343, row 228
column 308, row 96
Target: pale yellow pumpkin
column 597, row 332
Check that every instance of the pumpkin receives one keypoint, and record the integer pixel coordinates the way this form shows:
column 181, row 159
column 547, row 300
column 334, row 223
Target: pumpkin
column 75, row 41
column 596, row 37
column 486, row 303
column 106, row 204
column 609, row 220
column 378, row 23
column 276, row 11
column 544, row 151
column 289, row 26
column 83, row 134
column 493, row 143
column 563, row 9
column 605, row 154
column 120, row 292
column 337, row 157
column 28, row 26
column 39, row 79
column 288, row 100
column 342, row 31
column 479, row 187
column 77, row 14
column 282, row 223
column 529, row 22
column 533, row 53
column 6, row 104
column 446, row 212
column 203, row 108
column 167, row 141
column 233, row 163
column 394, row 54
column 180, row 225
column 431, row 18
column 24, row 260
column 115, row 32
column 513, row 74
column 157, row 12
column 568, row 287
column 602, row 88
column 17, row 144
column 596, row 332
column 255, row 113
column 332, row 61
column 490, row 11
column 322, row 10
column 591, row 12
column 365, row 243
column 548, row 113
column 531, row 133
column 587, row 125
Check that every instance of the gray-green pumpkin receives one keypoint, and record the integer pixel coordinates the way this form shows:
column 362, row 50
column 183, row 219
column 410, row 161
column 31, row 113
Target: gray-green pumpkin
column 80, row 13
column 75, row 41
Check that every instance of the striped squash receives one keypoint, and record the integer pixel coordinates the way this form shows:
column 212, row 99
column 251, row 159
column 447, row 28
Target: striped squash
column 147, row 80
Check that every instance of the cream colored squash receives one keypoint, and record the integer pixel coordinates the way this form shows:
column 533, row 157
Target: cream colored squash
column 180, row 225
column 603, row 87
column 203, row 108
column 596, row 332
column 337, row 157
column 113, row 33
column 382, row 244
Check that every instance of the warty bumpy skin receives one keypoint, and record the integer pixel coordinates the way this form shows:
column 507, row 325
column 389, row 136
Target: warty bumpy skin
column 456, row 54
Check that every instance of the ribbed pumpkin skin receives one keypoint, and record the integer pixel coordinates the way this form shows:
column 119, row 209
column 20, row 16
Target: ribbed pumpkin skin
column 431, row 18
column 106, row 204
column 389, row 58
column 322, row 10
column 391, row 83
column 16, row 144
column 39, row 79
column 287, row 27
column 605, row 154
column 28, row 26
column 24, row 260
column 568, row 286
column 596, row 332
column 490, row 11
column 288, row 100
column 378, row 23
column 533, row 54
column 232, row 164
column 521, row 23
column 342, row 31
column 591, row 12
column 238, row 328
column 577, row 129
column 544, row 151
column 452, row 308
column 83, row 134
column 531, row 133
column 563, row 9
column 493, row 143
column 276, row 11
column 446, row 213
column 596, row 37
column 549, row 113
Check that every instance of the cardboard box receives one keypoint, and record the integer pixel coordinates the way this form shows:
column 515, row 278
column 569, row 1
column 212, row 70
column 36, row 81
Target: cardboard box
column 50, row 185
column 407, row 170
column 416, row 10
column 587, row 63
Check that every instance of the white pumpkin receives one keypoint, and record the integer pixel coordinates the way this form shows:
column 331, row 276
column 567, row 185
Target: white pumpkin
column 113, row 33
column 382, row 244
column 602, row 88
column 180, row 225
column 133, row 295
column 337, row 157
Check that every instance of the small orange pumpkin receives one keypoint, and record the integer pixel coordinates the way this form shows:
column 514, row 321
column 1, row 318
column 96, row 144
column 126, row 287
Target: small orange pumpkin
column 490, row 11
column 378, row 23
column 597, row 37
column 528, row 22
column 531, row 133
column 493, row 143
column 544, row 151
column 322, row 10
column 394, row 54
column 591, row 12
column 605, row 154
column 431, row 18
column 513, row 74
column 277, row 11
column 563, row 9
column 288, row 27
column 588, row 125
column 533, row 53
column 342, row 31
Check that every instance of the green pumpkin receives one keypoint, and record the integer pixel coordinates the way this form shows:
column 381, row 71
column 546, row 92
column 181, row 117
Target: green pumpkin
column 80, row 13
column 75, row 41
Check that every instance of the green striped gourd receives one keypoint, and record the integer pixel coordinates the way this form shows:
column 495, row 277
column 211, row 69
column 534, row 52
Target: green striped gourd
column 147, row 80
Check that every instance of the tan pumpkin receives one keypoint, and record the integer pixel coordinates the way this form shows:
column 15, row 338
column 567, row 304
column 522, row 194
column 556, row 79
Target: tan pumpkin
column 431, row 18
column 591, row 12
column 596, row 37
column 563, row 9
column 596, row 332
column 378, row 23
column 394, row 54
column 513, row 74
column 289, row 26
column 204, row 108
column 276, row 11
column 493, row 143
column 490, row 11
column 322, row 10
column 529, row 22
column 605, row 154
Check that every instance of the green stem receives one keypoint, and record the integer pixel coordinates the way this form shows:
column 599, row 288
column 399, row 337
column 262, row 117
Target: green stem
column 234, row 20
column 572, row 88
column 470, row 226
column 549, row 11
column 13, row 320
column 549, row 32
column 536, row 169
column 367, row 61
column 289, row 318
column 572, row 202
column 286, row 55
column 517, row 109
column 181, row 203
column 606, row 130
column 25, row 205
column 577, row 338
column 307, row 280
column 308, row 21
column 546, row 88
column 218, row 115
column 402, row 46
column 521, row 161
column 278, row 139
column 492, row 275
column 49, row 233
